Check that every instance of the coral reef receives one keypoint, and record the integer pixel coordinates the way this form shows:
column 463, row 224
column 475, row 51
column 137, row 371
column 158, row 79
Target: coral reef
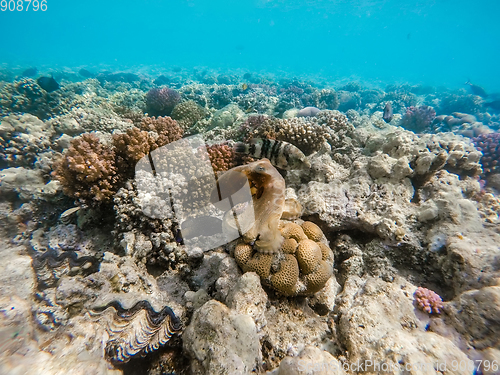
column 326, row 271
column 428, row 301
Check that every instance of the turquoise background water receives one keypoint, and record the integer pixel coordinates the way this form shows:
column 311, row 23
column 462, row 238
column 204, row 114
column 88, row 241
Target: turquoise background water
column 441, row 42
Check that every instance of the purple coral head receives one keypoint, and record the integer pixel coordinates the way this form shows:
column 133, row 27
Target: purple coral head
column 418, row 119
column 489, row 145
column 161, row 102
column 428, row 301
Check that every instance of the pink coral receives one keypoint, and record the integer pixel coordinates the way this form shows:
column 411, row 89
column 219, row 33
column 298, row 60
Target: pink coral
column 222, row 157
column 428, row 301
column 87, row 170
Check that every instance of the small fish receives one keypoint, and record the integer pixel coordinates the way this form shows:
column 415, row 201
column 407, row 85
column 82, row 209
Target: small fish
column 281, row 154
column 66, row 216
column 477, row 90
column 244, row 86
column 49, row 84
column 387, row 116
column 30, row 72
column 85, row 73
column 495, row 104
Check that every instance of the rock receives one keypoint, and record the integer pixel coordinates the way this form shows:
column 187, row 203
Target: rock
column 378, row 318
column 311, row 361
column 248, row 297
column 221, row 341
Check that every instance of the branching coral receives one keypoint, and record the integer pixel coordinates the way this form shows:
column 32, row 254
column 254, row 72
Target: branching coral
column 138, row 142
column 222, row 157
column 87, row 170
column 428, row 301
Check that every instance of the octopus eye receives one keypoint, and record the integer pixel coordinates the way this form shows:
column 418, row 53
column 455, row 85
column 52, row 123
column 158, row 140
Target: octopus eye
column 260, row 169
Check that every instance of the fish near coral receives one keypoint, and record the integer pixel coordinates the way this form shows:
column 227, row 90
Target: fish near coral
column 477, row 90
column 387, row 116
column 267, row 188
column 49, row 84
column 281, row 154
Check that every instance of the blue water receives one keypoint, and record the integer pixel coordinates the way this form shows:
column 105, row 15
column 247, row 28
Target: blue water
column 440, row 42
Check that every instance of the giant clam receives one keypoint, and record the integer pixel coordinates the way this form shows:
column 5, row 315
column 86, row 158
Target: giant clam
column 137, row 330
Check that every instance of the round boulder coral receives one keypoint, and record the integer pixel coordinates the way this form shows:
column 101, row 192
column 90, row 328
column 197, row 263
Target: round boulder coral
column 161, row 102
column 285, row 280
column 242, row 254
column 312, row 231
column 289, row 246
column 316, row 280
column 308, row 255
column 293, row 230
column 260, row 264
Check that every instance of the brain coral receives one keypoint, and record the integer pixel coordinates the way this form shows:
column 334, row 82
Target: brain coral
column 300, row 267
column 87, row 170
column 135, row 143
